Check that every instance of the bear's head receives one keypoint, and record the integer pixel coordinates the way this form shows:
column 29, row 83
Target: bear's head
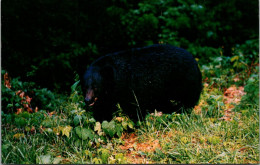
column 97, row 84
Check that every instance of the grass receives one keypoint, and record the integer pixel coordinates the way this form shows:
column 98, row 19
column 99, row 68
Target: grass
column 223, row 128
column 181, row 138
column 199, row 139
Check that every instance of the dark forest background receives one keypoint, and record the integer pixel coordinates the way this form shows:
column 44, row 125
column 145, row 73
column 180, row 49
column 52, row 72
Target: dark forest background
column 50, row 41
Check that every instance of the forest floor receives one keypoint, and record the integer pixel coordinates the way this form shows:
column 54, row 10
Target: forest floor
column 222, row 128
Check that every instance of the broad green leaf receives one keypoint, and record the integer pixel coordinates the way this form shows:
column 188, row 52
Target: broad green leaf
column 104, row 123
column 92, row 120
column 109, row 128
column 119, row 130
column 77, row 119
column 66, row 130
column 84, row 133
column 45, row 159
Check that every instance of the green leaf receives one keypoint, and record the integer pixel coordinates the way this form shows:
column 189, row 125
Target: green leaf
column 97, row 161
column 119, row 130
column 250, row 80
column 25, row 114
column 109, row 128
column 77, row 143
column 20, row 121
column 124, row 124
column 84, row 133
column 88, row 153
column 66, row 130
column 9, row 105
column 77, row 120
column 131, row 125
column 74, row 86
column 234, row 58
column 44, row 159
column 104, row 155
column 92, row 120
column 5, row 147
column 47, row 123
column 120, row 158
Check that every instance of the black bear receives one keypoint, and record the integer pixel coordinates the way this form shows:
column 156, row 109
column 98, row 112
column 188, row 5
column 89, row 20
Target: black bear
column 161, row 77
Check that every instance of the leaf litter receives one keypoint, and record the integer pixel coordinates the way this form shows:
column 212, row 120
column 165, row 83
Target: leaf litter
column 232, row 96
column 136, row 150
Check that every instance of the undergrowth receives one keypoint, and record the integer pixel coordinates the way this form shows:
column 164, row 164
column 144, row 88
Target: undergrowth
column 39, row 126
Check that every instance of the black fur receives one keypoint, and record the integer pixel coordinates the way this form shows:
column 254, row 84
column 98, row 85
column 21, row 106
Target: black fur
column 150, row 76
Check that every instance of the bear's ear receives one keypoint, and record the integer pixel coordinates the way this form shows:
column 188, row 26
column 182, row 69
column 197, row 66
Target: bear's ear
column 107, row 73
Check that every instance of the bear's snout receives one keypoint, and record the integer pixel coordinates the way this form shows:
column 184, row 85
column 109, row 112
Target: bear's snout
column 89, row 99
column 89, row 95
